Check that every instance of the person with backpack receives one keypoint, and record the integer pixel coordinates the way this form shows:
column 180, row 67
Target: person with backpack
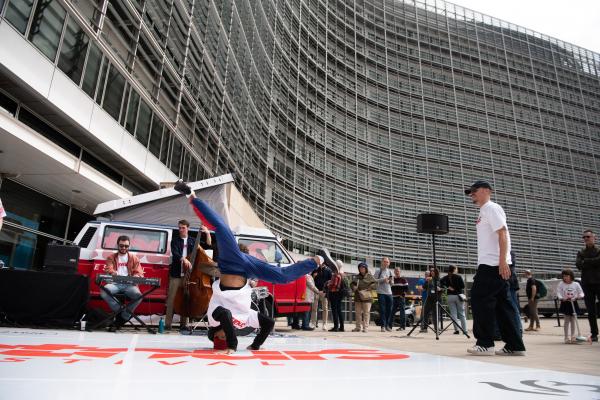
column 337, row 288
column 533, row 290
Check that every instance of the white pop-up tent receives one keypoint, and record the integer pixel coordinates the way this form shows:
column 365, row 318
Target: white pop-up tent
column 166, row 206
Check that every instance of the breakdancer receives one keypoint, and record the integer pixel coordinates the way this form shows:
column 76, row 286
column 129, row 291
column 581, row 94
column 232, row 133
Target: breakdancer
column 230, row 305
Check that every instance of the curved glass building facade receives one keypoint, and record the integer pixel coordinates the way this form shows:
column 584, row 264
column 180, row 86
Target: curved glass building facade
column 343, row 120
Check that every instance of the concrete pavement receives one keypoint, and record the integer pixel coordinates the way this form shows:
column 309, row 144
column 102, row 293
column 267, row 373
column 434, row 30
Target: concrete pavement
column 545, row 348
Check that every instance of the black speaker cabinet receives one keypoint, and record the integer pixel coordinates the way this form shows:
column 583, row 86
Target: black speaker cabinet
column 432, row 223
column 61, row 258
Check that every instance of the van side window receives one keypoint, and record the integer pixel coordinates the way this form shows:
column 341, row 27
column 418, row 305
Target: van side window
column 149, row 241
column 265, row 250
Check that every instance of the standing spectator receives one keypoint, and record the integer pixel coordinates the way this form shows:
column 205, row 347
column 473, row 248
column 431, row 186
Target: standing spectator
column 2, row 214
column 490, row 299
column 384, row 293
column 309, row 296
column 323, row 276
column 532, row 301
column 568, row 292
column 362, row 297
column 421, row 287
column 432, row 287
column 588, row 262
column 399, row 289
column 336, row 295
column 456, row 287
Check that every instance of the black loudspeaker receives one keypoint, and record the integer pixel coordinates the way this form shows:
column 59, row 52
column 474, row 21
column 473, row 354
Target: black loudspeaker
column 61, row 258
column 432, row 223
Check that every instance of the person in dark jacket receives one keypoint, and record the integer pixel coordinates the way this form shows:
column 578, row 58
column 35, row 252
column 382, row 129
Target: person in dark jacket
column 323, row 275
column 182, row 247
column 455, row 289
column 588, row 262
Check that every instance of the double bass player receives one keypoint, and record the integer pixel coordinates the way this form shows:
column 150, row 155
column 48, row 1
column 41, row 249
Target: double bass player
column 181, row 250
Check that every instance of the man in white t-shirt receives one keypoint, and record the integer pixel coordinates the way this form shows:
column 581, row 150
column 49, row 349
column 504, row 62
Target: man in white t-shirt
column 122, row 263
column 490, row 297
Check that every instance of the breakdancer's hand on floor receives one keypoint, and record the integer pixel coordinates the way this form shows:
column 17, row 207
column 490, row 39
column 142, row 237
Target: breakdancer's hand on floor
column 226, row 351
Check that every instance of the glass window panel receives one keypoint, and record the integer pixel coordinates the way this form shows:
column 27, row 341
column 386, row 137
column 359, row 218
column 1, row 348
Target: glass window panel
column 176, row 157
column 102, row 81
column 142, row 132
column 17, row 13
column 92, row 69
column 113, row 94
column 33, row 210
column 47, row 26
column 132, row 109
column 156, row 136
column 76, row 223
column 265, row 250
column 72, row 52
column 165, row 147
column 150, row 241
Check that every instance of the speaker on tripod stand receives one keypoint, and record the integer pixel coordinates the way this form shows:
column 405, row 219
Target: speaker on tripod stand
column 434, row 224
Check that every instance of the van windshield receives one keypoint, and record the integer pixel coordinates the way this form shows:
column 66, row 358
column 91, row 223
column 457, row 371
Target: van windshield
column 149, row 241
column 265, row 250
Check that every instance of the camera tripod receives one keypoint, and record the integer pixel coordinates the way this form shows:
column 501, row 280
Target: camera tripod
column 437, row 320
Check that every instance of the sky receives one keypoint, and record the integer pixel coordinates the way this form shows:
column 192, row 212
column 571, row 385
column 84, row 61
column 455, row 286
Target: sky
column 574, row 21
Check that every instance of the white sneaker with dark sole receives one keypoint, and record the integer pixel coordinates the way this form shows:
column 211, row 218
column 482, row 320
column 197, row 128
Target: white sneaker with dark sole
column 506, row 352
column 481, row 351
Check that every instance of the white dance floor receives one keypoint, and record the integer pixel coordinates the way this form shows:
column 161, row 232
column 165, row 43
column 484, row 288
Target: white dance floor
column 49, row 364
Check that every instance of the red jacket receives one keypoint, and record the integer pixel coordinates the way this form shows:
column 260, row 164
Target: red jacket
column 133, row 265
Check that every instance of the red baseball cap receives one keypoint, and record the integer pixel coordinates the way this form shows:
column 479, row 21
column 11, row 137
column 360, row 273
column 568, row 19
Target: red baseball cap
column 219, row 344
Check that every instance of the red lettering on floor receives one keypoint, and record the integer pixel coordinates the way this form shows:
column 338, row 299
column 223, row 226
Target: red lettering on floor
column 222, row 362
column 172, row 363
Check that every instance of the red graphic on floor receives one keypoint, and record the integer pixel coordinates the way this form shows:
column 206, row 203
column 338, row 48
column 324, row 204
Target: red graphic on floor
column 71, row 354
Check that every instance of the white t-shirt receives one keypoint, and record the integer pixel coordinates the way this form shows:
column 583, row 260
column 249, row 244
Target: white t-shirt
column 237, row 302
column 183, row 254
column 122, row 265
column 491, row 219
column 2, row 211
column 569, row 291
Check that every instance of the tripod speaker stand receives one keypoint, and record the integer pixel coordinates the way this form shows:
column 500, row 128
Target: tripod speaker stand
column 435, row 224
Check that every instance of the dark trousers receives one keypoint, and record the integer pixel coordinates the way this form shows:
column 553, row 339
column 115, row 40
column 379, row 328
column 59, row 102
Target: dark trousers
column 592, row 292
column 398, row 305
column 224, row 317
column 430, row 309
column 385, row 309
column 490, row 300
column 335, row 300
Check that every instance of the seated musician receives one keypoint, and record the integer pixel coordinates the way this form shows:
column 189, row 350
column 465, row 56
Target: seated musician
column 230, row 303
column 122, row 263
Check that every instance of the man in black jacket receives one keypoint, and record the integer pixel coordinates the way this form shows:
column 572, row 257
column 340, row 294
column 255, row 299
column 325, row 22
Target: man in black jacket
column 588, row 262
column 181, row 250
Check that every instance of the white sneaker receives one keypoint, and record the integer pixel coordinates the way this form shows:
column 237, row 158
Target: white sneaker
column 506, row 352
column 324, row 327
column 481, row 351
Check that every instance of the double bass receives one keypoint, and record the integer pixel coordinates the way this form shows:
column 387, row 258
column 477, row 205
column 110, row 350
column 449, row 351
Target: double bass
column 193, row 295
